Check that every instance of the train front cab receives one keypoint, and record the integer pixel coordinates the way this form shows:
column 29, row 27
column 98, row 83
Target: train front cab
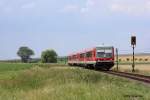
column 104, row 58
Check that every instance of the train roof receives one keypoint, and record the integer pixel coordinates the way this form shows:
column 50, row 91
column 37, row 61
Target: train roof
column 89, row 49
column 104, row 46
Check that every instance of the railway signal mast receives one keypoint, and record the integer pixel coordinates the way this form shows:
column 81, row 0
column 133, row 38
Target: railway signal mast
column 117, row 57
column 133, row 43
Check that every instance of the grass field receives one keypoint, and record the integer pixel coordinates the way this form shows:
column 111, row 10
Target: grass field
column 60, row 82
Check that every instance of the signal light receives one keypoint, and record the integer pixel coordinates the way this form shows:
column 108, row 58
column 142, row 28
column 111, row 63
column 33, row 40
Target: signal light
column 133, row 40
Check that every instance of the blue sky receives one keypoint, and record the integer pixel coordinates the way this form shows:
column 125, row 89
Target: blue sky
column 72, row 25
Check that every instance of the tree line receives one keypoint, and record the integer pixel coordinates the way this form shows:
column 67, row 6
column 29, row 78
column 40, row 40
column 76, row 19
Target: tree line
column 47, row 56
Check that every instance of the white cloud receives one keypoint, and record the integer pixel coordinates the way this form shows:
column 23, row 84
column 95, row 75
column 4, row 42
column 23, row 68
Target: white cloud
column 7, row 9
column 84, row 10
column 131, row 8
column 101, row 7
column 70, row 8
column 78, row 8
column 15, row 7
column 88, row 5
column 1, row 3
column 29, row 5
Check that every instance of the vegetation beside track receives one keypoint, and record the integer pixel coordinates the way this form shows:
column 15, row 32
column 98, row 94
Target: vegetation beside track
column 54, row 82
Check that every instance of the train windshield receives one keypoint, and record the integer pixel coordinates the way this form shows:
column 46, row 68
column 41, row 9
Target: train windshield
column 104, row 52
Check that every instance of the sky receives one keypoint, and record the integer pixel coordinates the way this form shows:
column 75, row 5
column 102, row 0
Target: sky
column 72, row 25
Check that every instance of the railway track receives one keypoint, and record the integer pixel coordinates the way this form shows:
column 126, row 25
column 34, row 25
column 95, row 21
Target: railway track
column 138, row 77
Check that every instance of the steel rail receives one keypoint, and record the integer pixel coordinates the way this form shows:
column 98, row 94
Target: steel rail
column 138, row 77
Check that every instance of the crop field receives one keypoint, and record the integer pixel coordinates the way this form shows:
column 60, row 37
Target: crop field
column 138, row 58
column 61, row 82
column 139, row 68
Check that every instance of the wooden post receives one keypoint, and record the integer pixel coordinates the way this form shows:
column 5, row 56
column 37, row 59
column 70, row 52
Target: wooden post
column 133, row 65
column 117, row 57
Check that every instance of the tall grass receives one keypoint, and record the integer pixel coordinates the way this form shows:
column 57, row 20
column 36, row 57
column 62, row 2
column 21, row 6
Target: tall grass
column 64, row 83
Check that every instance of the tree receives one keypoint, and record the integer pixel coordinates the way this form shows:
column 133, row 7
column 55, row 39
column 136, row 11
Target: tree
column 120, row 60
column 25, row 53
column 49, row 56
column 128, row 59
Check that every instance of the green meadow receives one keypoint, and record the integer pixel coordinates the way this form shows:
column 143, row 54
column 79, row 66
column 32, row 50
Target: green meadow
column 61, row 82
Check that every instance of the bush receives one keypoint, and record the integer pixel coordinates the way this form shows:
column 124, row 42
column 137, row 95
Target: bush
column 140, row 59
column 120, row 60
column 128, row 59
column 136, row 59
column 49, row 56
column 146, row 59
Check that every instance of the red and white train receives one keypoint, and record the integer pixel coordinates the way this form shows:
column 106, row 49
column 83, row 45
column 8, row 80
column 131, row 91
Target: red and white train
column 97, row 57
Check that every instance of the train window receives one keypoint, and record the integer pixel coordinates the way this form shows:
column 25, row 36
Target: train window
column 89, row 54
column 82, row 55
column 100, row 54
column 108, row 55
column 108, row 51
column 69, row 58
column 74, row 56
column 104, row 53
